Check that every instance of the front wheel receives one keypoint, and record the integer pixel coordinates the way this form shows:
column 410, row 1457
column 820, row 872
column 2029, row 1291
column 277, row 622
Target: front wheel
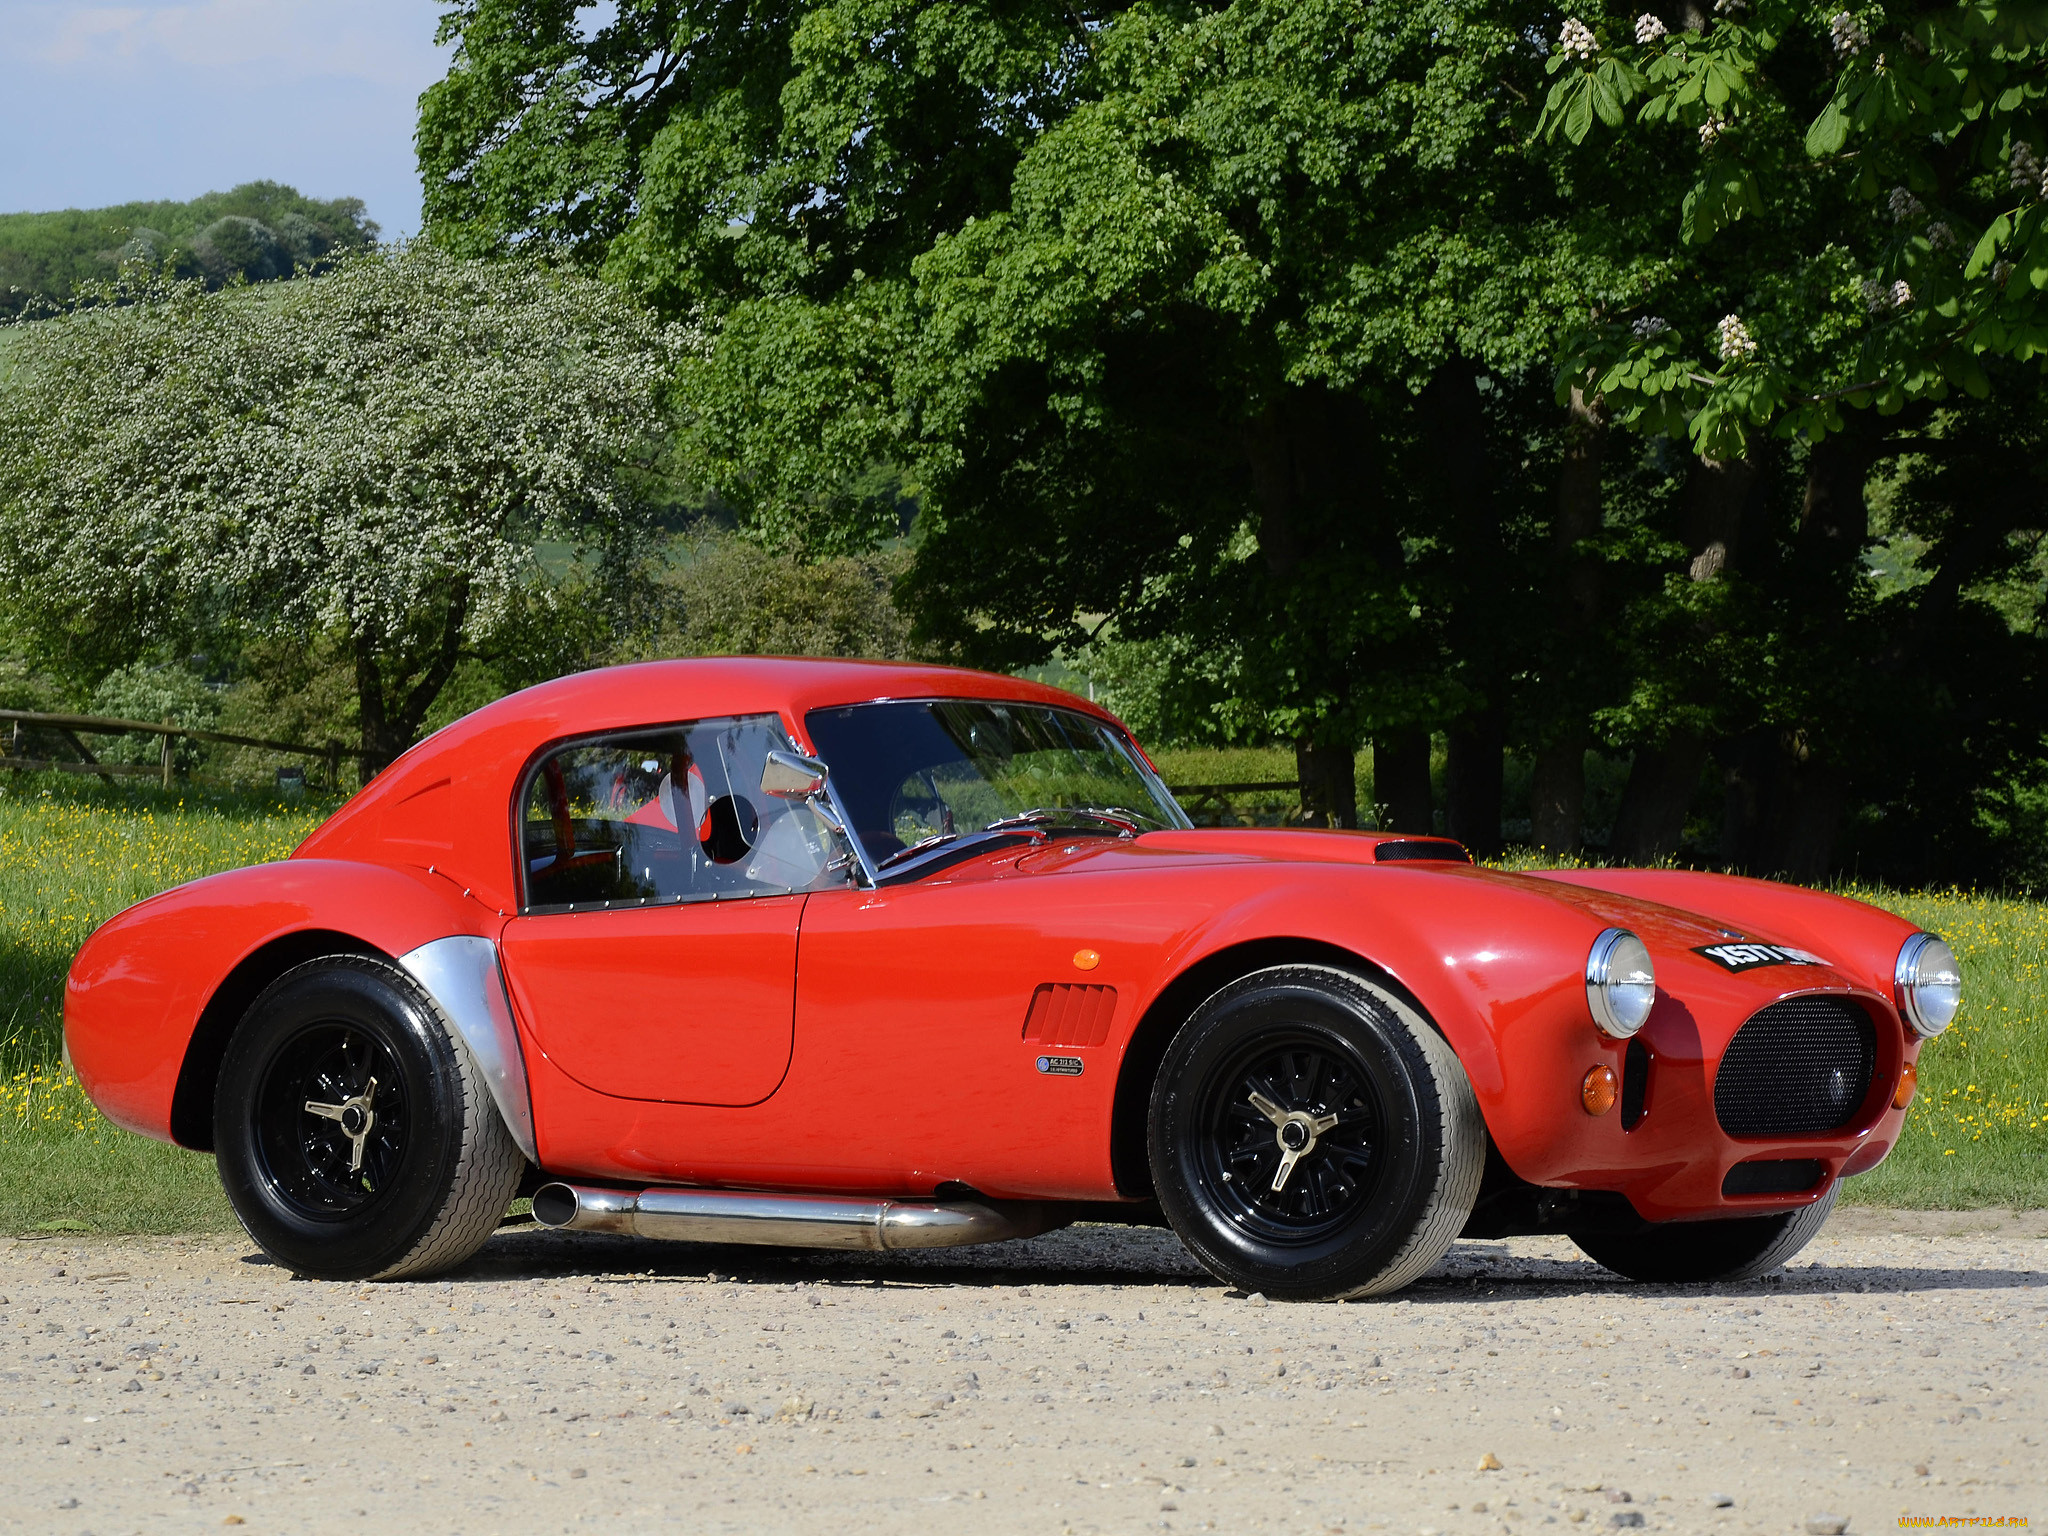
column 1313, row 1138
column 355, row 1136
column 1704, row 1252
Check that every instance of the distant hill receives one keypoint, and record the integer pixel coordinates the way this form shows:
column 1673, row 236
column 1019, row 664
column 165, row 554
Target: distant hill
column 260, row 230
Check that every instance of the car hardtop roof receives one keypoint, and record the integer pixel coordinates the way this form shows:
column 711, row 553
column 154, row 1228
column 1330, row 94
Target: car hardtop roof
column 492, row 742
column 707, row 686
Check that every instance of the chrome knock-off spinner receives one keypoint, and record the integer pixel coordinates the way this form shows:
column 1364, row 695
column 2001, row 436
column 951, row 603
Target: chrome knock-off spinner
column 1294, row 1132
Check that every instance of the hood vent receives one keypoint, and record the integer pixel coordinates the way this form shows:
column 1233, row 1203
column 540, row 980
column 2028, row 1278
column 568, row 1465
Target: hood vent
column 1440, row 849
column 1065, row 1013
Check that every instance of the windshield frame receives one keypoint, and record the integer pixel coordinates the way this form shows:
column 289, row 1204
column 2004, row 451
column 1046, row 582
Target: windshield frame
column 969, row 843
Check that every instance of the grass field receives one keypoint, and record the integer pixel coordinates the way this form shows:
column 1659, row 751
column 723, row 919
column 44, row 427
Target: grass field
column 73, row 853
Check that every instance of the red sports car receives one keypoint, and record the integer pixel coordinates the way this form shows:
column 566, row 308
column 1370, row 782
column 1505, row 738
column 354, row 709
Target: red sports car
column 878, row 956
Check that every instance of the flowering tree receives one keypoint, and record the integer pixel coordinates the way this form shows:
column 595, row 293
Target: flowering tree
column 1884, row 162
column 1233, row 328
column 1857, row 240
column 370, row 454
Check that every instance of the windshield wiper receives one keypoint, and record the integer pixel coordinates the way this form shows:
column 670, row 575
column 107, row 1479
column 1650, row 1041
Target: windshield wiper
column 922, row 845
column 1126, row 823
column 1038, row 823
column 948, row 846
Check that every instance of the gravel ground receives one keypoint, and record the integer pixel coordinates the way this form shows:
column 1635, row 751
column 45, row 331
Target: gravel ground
column 1090, row 1380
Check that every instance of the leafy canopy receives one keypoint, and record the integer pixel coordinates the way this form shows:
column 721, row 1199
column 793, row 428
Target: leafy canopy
column 371, row 454
column 1879, row 170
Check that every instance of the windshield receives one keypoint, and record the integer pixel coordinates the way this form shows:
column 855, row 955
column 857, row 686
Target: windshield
column 923, row 773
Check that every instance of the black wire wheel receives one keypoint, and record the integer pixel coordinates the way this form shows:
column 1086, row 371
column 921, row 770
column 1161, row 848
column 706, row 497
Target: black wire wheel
column 1313, row 1138
column 355, row 1136
column 331, row 1120
column 1730, row 1249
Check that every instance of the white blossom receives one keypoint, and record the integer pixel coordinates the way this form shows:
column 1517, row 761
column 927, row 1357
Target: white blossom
column 1902, row 294
column 369, row 455
column 1904, row 205
column 1575, row 39
column 1876, row 297
column 1848, row 36
column 1730, row 7
column 1649, row 328
column 2000, row 271
column 1649, row 28
column 2025, row 166
column 1734, row 339
column 2027, row 173
column 1941, row 236
column 1711, row 130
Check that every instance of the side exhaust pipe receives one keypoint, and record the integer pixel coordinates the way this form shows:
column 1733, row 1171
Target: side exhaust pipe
column 786, row 1221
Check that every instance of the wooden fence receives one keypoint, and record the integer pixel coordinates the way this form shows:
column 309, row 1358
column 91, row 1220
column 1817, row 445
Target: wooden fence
column 1208, row 805
column 72, row 728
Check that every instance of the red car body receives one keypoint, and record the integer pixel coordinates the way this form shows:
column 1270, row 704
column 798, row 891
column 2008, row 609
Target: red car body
column 886, row 1040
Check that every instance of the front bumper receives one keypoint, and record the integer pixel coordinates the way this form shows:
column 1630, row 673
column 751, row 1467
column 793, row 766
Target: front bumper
column 1673, row 1162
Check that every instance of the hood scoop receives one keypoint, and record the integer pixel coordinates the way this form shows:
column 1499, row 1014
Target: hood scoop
column 1441, row 850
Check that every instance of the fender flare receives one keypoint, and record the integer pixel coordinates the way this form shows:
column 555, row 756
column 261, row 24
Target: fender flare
column 461, row 974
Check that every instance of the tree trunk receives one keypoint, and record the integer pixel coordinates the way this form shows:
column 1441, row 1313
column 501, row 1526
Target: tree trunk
column 1782, row 806
column 1662, row 784
column 1297, row 451
column 395, row 687
column 1472, row 790
column 1329, row 784
column 1664, row 780
column 1400, row 782
column 1557, row 797
column 379, row 745
column 1558, row 790
column 1454, row 418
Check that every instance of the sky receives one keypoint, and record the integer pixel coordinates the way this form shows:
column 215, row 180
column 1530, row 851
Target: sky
column 104, row 103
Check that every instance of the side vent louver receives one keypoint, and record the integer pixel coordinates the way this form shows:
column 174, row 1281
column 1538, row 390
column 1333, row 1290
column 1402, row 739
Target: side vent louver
column 1063, row 1013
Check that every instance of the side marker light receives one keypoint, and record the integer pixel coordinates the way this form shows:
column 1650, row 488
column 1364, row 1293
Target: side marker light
column 1086, row 959
column 1598, row 1091
column 1909, row 1079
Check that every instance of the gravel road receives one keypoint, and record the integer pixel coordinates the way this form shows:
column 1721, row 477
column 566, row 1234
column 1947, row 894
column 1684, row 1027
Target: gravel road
column 1090, row 1380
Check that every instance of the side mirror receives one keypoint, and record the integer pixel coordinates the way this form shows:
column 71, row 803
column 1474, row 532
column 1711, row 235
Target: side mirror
column 792, row 776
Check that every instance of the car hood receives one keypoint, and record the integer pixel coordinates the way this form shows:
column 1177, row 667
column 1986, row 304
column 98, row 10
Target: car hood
column 1681, row 937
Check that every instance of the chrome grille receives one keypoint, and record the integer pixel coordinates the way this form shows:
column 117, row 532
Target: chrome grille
column 1797, row 1068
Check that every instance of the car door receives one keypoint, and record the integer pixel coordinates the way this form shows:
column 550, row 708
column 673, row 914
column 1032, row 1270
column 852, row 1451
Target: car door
column 654, row 955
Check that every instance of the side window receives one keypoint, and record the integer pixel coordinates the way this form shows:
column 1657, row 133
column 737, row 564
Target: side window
column 670, row 813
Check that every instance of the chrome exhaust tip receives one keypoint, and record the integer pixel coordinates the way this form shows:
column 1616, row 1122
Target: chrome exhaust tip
column 786, row 1221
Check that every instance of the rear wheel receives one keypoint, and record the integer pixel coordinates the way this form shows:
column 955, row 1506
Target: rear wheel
column 355, row 1136
column 1313, row 1138
column 1699, row 1252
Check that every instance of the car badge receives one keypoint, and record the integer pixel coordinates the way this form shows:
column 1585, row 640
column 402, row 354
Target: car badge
column 1747, row 957
column 1060, row 1066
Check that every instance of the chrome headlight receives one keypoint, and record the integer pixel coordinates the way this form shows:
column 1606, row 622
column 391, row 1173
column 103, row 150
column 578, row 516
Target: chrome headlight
column 1621, row 985
column 1930, row 987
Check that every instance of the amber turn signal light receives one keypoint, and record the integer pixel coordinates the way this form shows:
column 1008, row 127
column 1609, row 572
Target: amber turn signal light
column 1909, row 1079
column 1597, row 1092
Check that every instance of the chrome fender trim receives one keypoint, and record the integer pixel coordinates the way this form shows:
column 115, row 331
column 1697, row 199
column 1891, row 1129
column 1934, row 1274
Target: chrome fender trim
column 461, row 975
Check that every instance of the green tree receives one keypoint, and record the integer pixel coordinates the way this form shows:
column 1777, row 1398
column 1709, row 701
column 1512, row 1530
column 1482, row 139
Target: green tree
column 371, row 455
column 719, row 594
column 1231, row 330
column 1858, row 186
column 259, row 230
column 1132, row 295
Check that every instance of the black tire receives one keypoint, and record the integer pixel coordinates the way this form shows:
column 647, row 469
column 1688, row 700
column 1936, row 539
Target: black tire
column 1375, row 1199
column 1702, row 1252
column 433, row 1166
